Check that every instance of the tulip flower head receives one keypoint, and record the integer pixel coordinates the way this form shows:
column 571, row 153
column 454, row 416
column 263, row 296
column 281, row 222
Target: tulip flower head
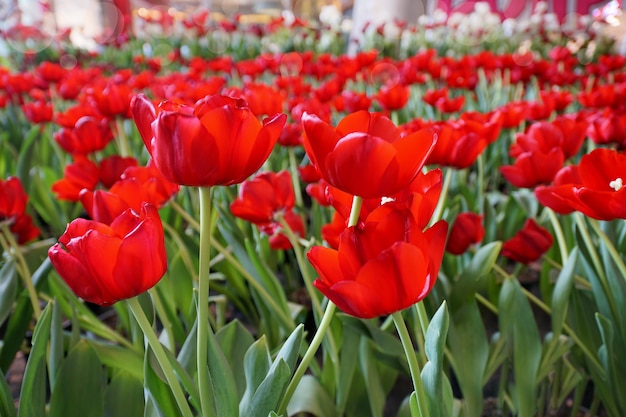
column 366, row 154
column 219, row 141
column 103, row 264
column 528, row 244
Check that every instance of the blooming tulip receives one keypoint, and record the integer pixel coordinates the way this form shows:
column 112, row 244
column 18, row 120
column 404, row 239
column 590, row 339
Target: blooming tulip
column 385, row 266
column 466, row 230
column 528, row 244
column 219, row 141
column 104, row 264
column 366, row 155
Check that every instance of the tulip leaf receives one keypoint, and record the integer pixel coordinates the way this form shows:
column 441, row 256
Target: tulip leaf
column 7, row 408
column 118, row 358
column 56, row 344
column 562, row 290
column 518, row 323
column 347, row 365
column 311, row 397
column 25, row 157
column 33, row 393
column 269, row 393
column 8, row 289
column 156, row 390
column 290, row 350
column 436, row 385
column 124, row 395
column 224, row 388
column 469, row 280
column 469, row 347
column 256, row 362
column 16, row 330
column 81, row 374
column 235, row 340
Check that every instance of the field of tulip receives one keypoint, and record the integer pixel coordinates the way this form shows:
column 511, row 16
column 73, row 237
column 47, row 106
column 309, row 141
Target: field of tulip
column 237, row 219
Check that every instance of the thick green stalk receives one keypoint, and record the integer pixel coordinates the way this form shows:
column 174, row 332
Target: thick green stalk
column 159, row 353
column 414, row 367
column 309, row 355
column 203, row 299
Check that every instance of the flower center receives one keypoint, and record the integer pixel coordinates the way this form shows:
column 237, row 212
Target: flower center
column 386, row 200
column 616, row 184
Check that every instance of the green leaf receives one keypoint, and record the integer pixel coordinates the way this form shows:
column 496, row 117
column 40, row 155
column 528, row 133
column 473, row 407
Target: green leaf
column 257, row 363
column 269, row 393
column 118, row 358
column 33, row 393
column 517, row 320
column 562, row 290
column 290, row 350
column 8, row 289
column 56, row 344
column 432, row 374
column 25, row 157
column 311, row 397
column 7, row 408
column 235, row 340
column 157, row 390
column 468, row 344
column 224, row 388
column 469, row 280
column 16, row 330
column 124, row 395
column 80, row 374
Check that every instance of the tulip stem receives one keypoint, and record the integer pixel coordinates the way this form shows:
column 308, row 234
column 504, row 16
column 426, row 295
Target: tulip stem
column 10, row 246
column 357, row 202
column 558, row 231
column 203, row 299
column 121, row 138
column 284, row 318
column 442, row 198
column 619, row 262
column 294, row 176
column 159, row 352
column 414, row 367
column 304, row 271
column 309, row 355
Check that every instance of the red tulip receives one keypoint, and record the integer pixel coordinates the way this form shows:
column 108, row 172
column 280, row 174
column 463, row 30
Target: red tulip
column 466, row 230
column 277, row 239
column 13, row 199
column 382, row 267
column 533, row 168
column 38, row 111
column 366, row 155
column 219, row 141
column 87, row 136
column 393, row 97
column 104, row 264
column 560, row 195
column 528, row 244
column 261, row 197
column 80, row 174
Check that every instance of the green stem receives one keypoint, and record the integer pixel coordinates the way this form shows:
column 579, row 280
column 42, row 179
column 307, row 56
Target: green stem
column 442, row 199
column 203, row 299
column 9, row 244
column 304, row 270
column 159, row 353
column 121, row 138
column 414, row 367
column 165, row 321
column 309, row 355
column 558, row 231
column 619, row 262
column 294, row 176
column 423, row 321
column 284, row 318
column 357, row 202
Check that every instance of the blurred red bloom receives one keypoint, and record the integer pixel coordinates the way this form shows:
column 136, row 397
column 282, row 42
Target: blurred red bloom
column 277, row 239
column 80, row 174
column 607, row 126
column 384, row 266
column 393, row 97
column 38, row 111
column 219, row 141
column 112, row 167
column 103, row 264
column 366, row 155
column 112, row 99
column 528, row 244
column 87, row 135
column 13, row 200
column 262, row 196
column 466, row 230
column 71, row 115
column 456, row 146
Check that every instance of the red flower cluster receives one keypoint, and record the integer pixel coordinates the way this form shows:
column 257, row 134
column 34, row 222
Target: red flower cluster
column 13, row 200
